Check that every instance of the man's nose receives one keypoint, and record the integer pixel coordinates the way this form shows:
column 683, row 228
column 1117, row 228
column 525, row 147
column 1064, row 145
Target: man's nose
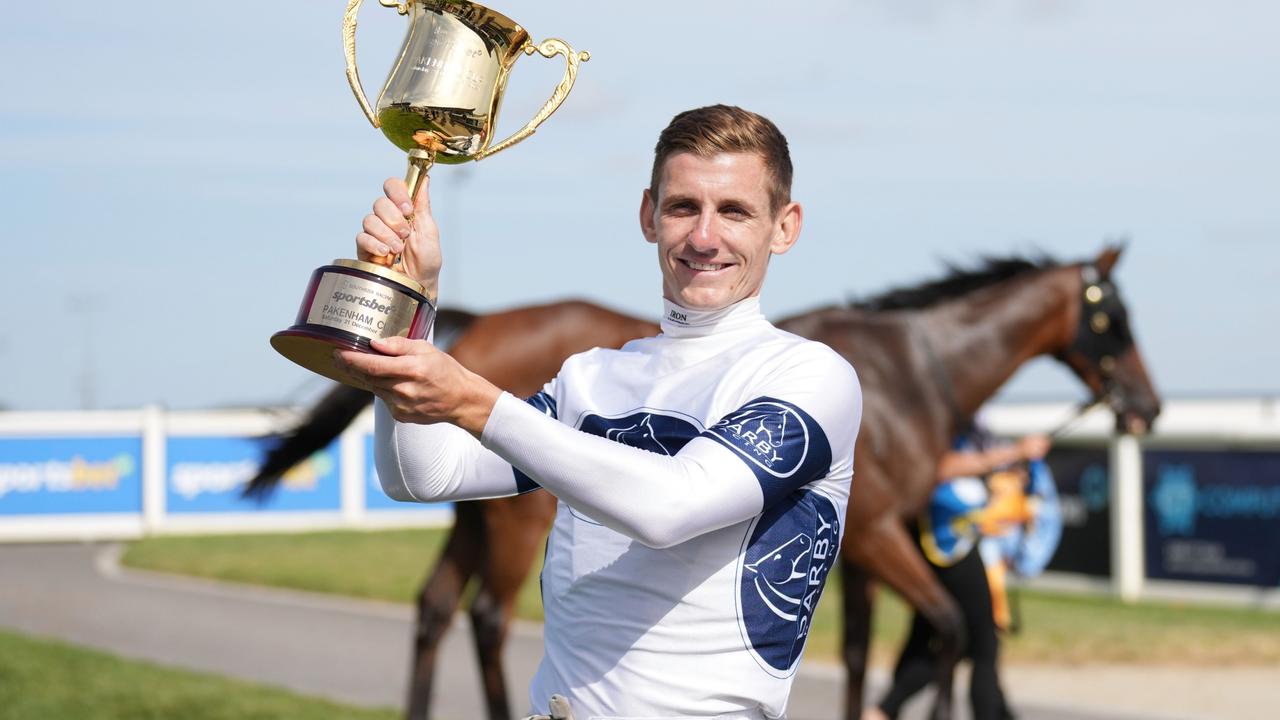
column 702, row 238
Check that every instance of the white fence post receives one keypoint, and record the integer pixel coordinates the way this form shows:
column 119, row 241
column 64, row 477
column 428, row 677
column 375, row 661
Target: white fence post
column 1128, row 567
column 351, row 475
column 154, row 436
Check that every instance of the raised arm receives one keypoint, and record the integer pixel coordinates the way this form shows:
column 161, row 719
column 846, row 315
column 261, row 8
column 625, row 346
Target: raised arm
column 416, row 383
column 965, row 463
column 801, row 428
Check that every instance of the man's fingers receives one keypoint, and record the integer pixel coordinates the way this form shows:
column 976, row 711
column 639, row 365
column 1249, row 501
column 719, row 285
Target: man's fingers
column 373, row 225
column 391, row 358
column 369, row 247
column 396, row 345
column 398, row 193
column 390, row 215
column 371, row 366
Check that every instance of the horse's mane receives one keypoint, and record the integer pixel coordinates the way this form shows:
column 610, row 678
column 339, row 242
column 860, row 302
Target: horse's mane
column 959, row 281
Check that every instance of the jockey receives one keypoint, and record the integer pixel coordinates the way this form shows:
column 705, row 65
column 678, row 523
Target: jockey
column 702, row 475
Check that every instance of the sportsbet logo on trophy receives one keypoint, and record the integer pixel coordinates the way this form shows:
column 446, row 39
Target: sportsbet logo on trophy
column 440, row 104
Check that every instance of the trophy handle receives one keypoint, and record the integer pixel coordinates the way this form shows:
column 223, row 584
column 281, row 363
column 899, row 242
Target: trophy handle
column 549, row 48
column 349, row 45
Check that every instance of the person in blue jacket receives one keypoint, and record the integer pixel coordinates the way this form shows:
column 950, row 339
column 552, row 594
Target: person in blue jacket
column 964, row 507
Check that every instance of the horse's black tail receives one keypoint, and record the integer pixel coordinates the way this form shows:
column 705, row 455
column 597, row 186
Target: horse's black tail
column 323, row 423
column 335, row 411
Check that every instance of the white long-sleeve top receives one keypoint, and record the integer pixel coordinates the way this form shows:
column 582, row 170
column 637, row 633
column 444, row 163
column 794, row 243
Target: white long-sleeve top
column 702, row 477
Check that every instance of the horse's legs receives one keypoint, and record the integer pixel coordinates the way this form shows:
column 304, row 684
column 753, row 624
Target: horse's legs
column 513, row 528
column 437, row 601
column 886, row 550
column 857, row 601
column 489, row 630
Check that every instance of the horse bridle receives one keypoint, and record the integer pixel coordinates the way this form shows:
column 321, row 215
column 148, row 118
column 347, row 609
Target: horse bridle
column 1102, row 335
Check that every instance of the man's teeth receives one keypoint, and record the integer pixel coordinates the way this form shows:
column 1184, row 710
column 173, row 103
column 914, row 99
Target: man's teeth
column 702, row 266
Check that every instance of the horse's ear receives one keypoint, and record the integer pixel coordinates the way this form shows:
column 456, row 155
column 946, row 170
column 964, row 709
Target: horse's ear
column 1106, row 261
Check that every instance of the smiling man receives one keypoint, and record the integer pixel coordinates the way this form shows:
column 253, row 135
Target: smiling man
column 702, row 474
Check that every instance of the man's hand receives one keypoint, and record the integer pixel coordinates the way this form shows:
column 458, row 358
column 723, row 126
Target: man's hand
column 422, row 385
column 1034, row 447
column 387, row 232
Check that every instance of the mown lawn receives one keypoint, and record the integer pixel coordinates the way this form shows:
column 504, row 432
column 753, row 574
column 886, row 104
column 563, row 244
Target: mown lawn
column 390, row 565
column 48, row 680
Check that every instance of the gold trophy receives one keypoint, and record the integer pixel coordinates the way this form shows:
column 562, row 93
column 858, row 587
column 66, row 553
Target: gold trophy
column 439, row 104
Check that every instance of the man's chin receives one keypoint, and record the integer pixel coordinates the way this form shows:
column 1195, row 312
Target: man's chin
column 705, row 301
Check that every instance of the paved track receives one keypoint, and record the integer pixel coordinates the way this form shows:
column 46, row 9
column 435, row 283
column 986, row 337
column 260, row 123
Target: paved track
column 349, row 650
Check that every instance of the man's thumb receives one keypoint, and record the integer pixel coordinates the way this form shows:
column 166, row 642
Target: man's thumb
column 394, row 345
column 422, row 203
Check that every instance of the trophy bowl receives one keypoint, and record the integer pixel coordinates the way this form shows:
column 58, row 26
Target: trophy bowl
column 439, row 104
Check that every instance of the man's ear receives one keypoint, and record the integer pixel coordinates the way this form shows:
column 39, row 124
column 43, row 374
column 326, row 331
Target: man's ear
column 787, row 228
column 647, row 223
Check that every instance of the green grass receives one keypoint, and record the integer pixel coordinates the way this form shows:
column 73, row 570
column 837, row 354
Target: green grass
column 1083, row 629
column 390, row 565
column 385, row 565
column 46, row 680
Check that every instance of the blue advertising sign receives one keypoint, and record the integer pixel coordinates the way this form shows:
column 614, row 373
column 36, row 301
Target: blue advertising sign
column 375, row 498
column 48, row 476
column 1213, row 515
column 207, row 475
column 1084, row 488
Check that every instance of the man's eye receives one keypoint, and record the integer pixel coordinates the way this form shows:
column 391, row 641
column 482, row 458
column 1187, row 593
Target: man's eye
column 681, row 208
column 735, row 211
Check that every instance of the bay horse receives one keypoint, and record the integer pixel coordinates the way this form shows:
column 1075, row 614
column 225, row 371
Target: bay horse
column 928, row 357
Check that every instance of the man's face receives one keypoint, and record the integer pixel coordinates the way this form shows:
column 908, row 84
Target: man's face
column 714, row 228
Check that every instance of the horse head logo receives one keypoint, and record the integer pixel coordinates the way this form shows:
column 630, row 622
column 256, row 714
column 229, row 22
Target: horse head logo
column 640, row 435
column 772, row 429
column 780, row 576
column 772, row 435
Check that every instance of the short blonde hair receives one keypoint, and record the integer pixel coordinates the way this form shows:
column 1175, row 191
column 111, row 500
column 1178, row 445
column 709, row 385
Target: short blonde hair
column 716, row 129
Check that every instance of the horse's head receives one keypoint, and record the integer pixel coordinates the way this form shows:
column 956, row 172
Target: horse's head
column 1103, row 353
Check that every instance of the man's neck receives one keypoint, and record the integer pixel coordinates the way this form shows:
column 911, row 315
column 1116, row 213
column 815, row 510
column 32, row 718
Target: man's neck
column 679, row 321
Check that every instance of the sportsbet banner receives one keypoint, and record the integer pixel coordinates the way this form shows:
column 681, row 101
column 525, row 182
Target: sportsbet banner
column 53, row 476
column 208, row 474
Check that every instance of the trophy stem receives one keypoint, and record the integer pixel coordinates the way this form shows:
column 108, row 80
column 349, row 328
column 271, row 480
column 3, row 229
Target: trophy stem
column 420, row 161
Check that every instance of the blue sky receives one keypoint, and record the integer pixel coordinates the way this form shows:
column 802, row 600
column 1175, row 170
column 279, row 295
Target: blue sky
column 173, row 172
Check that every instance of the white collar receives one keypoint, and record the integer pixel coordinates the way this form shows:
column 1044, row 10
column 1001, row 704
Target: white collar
column 681, row 322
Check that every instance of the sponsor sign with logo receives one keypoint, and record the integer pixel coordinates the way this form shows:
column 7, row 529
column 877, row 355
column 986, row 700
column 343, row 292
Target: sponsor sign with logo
column 1084, row 498
column 1213, row 516
column 48, row 476
column 208, row 474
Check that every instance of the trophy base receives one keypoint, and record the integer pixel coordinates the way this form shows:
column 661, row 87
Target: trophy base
column 346, row 306
column 312, row 347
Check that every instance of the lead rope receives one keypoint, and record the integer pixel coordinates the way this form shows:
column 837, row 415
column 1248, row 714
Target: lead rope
column 1076, row 415
column 1013, row 589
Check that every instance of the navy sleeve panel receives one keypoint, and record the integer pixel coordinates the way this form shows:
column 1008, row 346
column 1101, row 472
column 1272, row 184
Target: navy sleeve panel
column 782, row 444
column 547, row 406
